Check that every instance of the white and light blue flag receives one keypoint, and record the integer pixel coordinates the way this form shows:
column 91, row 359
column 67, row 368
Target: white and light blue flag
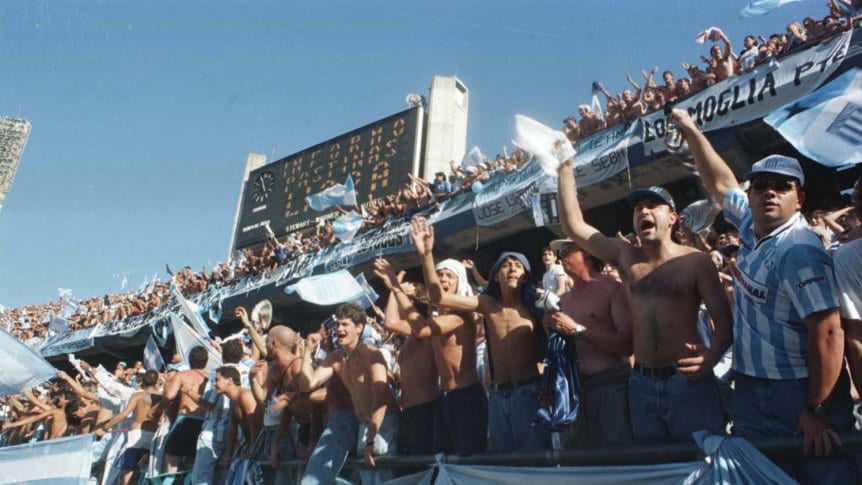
column 347, row 226
column 826, row 125
column 369, row 296
column 549, row 146
column 69, row 310
column 191, row 311
column 762, row 7
column 336, row 195
column 57, row 325
column 327, row 289
column 20, row 366
column 61, row 461
column 187, row 338
column 152, row 357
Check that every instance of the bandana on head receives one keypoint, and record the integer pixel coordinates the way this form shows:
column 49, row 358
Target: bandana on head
column 493, row 284
column 456, row 267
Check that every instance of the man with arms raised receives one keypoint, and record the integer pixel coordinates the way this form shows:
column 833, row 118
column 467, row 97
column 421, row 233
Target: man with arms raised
column 788, row 350
column 672, row 392
column 461, row 414
column 362, row 368
column 596, row 313
column 144, row 404
column 515, row 342
column 182, row 440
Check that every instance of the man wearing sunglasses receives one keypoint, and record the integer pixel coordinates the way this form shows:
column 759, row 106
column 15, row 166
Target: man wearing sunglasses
column 788, row 343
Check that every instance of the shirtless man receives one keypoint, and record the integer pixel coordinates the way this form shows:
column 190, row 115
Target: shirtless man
column 723, row 60
column 461, row 415
column 596, row 313
column 362, row 369
column 144, row 404
column 590, row 122
column 54, row 412
column 632, row 107
column 182, row 440
column 672, row 391
column 417, row 376
column 515, row 339
column 87, row 409
column 246, row 412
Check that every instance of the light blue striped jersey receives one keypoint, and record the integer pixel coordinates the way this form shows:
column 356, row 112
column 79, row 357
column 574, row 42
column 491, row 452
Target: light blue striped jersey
column 778, row 280
column 215, row 425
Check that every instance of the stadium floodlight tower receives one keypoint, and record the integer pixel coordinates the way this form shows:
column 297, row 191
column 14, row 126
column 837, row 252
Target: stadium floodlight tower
column 13, row 137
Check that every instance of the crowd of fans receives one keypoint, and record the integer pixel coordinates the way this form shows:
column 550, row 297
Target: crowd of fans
column 464, row 364
column 722, row 63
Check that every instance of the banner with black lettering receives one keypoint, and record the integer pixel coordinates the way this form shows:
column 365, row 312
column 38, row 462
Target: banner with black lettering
column 754, row 95
column 605, row 154
column 391, row 239
column 504, row 197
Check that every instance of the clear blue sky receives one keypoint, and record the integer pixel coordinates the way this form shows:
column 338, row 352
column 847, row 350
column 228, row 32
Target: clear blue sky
column 143, row 112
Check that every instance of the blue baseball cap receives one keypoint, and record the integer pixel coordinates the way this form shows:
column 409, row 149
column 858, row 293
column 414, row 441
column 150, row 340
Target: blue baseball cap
column 778, row 164
column 654, row 192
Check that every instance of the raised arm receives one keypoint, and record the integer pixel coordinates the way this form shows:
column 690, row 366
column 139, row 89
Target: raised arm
column 422, row 235
column 130, row 406
column 470, row 265
column 392, row 315
column 715, row 174
column 831, row 219
column 309, row 377
column 256, row 339
column 572, row 219
column 76, row 387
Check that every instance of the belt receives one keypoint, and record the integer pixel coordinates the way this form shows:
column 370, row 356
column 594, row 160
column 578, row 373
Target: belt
column 512, row 385
column 660, row 372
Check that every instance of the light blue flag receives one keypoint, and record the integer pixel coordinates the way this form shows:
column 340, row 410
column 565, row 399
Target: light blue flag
column 20, row 367
column 369, row 296
column 57, row 325
column 192, row 312
column 826, row 125
column 186, row 338
column 347, row 226
column 762, row 7
column 336, row 195
column 152, row 357
column 327, row 289
column 61, row 461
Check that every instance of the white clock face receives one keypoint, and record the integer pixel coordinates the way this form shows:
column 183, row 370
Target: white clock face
column 263, row 186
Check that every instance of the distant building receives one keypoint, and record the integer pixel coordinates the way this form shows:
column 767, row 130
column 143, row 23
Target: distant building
column 13, row 137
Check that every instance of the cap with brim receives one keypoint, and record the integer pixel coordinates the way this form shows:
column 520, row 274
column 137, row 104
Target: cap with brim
column 778, row 164
column 654, row 192
column 560, row 244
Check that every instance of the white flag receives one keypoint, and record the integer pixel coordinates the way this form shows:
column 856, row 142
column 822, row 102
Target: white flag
column 192, row 312
column 20, row 367
column 327, row 289
column 186, row 339
column 152, row 357
column 549, row 146
column 472, row 158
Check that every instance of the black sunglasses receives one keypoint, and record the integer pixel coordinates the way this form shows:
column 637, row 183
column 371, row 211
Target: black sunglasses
column 776, row 185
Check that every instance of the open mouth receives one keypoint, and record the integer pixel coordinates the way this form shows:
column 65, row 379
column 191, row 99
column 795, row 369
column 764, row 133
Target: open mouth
column 646, row 224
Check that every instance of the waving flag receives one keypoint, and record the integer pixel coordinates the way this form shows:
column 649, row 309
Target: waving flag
column 762, row 7
column 472, row 158
column 336, row 195
column 369, row 296
column 65, row 293
column 57, row 325
column 152, row 357
column 826, row 125
column 64, row 461
column 192, row 312
column 345, row 227
column 327, row 289
column 186, row 339
column 20, row 367
column 550, row 146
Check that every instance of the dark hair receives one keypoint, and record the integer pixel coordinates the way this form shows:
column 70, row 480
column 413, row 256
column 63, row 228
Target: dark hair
column 198, row 357
column 150, row 378
column 666, row 73
column 352, row 311
column 230, row 372
column 231, row 352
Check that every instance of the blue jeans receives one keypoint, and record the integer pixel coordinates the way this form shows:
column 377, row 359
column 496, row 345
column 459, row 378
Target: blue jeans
column 672, row 409
column 385, row 443
column 208, row 452
column 510, row 421
column 331, row 451
column 769, row 408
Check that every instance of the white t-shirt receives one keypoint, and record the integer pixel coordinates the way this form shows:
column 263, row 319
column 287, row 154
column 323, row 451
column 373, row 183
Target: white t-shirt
column 551, row 278
column 848, row 273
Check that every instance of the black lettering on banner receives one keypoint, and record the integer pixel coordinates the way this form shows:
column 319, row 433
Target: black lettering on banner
column 723, row 104
column 768, row 82
column 752, row 84
column 797, row 77
column 709, row 108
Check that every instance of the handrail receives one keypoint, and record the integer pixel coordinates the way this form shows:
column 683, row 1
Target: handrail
column 784, row 448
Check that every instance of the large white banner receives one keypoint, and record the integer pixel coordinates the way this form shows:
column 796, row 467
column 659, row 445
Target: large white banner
column 327, row 289
column 604, row 154
column 20, row 367
column 753, row 95
column 63, row 461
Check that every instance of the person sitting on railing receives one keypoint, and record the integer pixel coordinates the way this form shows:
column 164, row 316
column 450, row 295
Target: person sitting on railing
column 613, row 112
column 798, row 35
column 571, row 129
column 668, row 91
column 590, row 122
column 750, row 54
column 632, row 106
column 721, row 60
